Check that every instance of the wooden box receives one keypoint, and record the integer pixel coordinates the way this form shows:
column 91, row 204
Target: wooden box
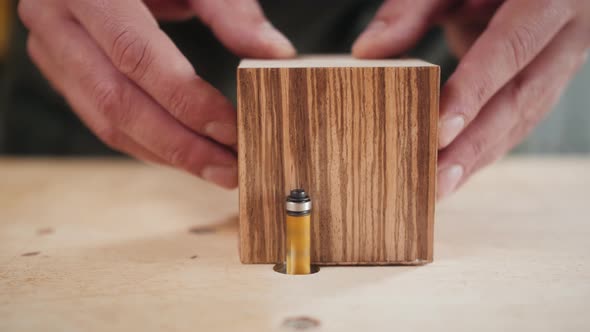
column 360, row 136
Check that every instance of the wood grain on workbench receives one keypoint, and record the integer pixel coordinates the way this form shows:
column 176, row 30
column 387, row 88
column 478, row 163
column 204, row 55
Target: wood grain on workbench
column 359, row 136
column 102, row 245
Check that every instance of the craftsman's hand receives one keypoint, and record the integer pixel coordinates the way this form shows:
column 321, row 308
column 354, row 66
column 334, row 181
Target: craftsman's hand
column 130, row 84
column 517, row 56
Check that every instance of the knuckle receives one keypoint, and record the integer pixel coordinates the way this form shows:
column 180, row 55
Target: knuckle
column 519, row 44
column 179, row 103
column 474, row 86
column 527, row 95
column 530, row 116
column 131, row 53
column 108, row 98
column 178, row 156
column 482, row 92
column 477, row 146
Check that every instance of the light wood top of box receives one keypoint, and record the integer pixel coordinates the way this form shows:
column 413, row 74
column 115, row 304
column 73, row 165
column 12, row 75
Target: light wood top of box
column 331, row 61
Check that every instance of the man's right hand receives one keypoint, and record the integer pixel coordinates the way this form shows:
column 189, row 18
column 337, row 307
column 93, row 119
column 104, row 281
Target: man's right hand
column 131, row 85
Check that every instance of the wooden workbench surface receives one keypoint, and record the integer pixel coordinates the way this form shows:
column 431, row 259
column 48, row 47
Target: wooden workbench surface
column 119, row 246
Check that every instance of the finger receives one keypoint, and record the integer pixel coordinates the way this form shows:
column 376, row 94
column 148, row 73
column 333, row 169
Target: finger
column 116, row 139
column 514, row 37
column 511, row 114
column 100, row 89
column 242, row 27
column 131, row 38
column 522, row 128
column 397, row 26
column 42, row 60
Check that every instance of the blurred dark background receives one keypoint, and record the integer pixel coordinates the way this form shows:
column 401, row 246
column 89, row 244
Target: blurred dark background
column 34, row 120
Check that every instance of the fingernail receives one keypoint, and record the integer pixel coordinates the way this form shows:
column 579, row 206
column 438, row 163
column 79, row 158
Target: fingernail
column 449, row 129
column 223, row 176
column 222, row 132
column 375, row 27
column 448, row 179
column 282, row 45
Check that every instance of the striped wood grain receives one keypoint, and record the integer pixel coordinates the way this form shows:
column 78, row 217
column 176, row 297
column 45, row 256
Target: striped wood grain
column 360, row 139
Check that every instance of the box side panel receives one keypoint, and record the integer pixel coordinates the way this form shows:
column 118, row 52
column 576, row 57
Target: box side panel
column 244, row 88
column 260, row 155
column 362, row 154
column 434, row 90
column 362, row 141
column 246, row 91
column 411, row 163
column 427, row 87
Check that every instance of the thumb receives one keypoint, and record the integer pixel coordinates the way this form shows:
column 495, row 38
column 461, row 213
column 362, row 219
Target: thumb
column 242, row 27
column 397, row 26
